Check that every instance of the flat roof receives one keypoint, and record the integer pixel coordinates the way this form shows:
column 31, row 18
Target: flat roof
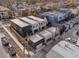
column 28, row 20
column 36, row 18
column 35, row 38
column 52, row 29
column 19, row 22
column 58, row 13
column 45, row 33
column 47, row 13
column 64, row 49
column 52, row 14
column 3, row 8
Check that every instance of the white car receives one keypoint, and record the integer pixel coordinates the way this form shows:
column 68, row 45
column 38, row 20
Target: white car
column 73, row 40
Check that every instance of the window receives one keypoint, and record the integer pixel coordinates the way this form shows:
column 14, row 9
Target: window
column 41, row 23
column 37, row 25
column 33, row 26
column 60, row 17
column 48, row 39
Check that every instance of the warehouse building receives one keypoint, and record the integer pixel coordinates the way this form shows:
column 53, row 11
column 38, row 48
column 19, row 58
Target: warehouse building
column 64, row 50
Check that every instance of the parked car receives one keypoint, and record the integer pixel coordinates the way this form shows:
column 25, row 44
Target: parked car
column 72, row 40
column 5, row 41
column 10, row 49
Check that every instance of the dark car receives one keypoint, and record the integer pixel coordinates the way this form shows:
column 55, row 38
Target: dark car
column 5, row 41
column 11, row 51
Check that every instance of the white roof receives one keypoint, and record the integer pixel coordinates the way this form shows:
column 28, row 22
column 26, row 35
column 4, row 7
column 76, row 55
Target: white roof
column 19, row 22
column 28, row 20
column 36, row 18
column 35, row 38
column 53, row 54
column 73, row 10
column 45, row 33
column 3, row 8
column 52, row 29
column 64, row 49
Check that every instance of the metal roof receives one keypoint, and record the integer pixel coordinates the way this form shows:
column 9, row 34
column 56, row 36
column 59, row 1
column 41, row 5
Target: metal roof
column 35, row 38
column 64, row 49
column 28, row 20
column 19, row 22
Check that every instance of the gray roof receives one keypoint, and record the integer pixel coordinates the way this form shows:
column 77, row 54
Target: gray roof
column 28, row 20
column 35, row 38
column 52, row 29
column 36, row 18
column 45, row 33
column 53, row 54
column 19, row 22
column 64, row 49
